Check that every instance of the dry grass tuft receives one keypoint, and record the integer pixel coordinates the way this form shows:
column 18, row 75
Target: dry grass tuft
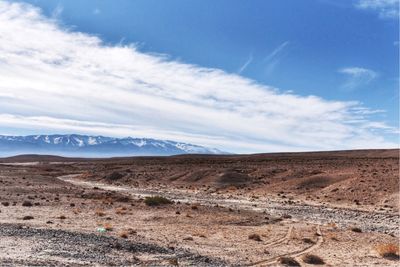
column 332, row 224
column 308, row 241
column 173, row 262
column 156, row 201
column 100, row 213
column 313, row 259
column 76, row 211
column 108, row 226
column 255, row 237
column 288, row 261
column 120, row 211
column 123, row 234
column 388, row 251
column 356, row 229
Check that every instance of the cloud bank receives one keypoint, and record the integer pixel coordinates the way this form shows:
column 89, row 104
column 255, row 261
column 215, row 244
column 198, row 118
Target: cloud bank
column 56, row 80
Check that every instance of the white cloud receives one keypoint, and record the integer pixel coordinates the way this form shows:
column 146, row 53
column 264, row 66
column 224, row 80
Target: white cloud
column 385, row 8
column 358, row 76
column 56, row 80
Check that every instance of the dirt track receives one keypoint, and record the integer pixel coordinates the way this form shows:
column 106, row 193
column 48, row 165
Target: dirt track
column 315, row 214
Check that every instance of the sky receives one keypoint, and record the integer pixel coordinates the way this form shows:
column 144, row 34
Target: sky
column 241, row 76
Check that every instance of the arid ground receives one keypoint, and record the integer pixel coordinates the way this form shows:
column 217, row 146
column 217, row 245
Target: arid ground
column 331, row 208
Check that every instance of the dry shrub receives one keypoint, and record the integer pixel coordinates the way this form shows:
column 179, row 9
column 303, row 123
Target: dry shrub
column 76, row 211
column 332, row 224
column 156, row 201
column 173, row 262
column 114, row 176
column 388, row 251
column 108, row 226
column 107, row 201
column 308, row 241
column 86, row 175
column 334, row 238
column 356, row 229
column 27, row 204
column 100, row 213
column 288, row 261
column 313, row 259
column 120, row 210
column 62, row 217
column 131, row 231
column 255, row 237
column 123, row 234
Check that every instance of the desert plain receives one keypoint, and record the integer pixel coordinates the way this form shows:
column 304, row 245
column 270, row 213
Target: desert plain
column 284, row 209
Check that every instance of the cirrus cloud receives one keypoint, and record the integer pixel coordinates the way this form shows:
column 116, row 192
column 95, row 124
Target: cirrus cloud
column 357, row 76
column 58, row 80
column 387, row 9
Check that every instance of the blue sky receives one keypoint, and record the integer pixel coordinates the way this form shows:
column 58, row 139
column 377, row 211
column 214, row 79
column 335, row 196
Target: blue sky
column 343, row 52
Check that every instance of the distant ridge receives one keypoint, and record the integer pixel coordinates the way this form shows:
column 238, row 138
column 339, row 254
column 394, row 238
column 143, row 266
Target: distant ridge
column 75, row 145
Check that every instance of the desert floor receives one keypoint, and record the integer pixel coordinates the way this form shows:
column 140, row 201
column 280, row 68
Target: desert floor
column 256, row 210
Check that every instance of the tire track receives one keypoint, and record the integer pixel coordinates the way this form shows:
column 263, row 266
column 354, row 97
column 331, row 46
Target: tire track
column 280, row 240
column 296, row 254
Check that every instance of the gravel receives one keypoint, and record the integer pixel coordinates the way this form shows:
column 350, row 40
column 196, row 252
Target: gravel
column 49, row 247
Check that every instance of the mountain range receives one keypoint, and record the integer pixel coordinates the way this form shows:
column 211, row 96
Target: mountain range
column 96, row 146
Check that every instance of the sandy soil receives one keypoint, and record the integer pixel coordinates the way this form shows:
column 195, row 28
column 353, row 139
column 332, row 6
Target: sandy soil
column 340, row 206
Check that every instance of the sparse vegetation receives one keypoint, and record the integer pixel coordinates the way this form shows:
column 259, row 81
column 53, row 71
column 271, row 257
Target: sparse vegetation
column 255, row 237
column 288, row 261
column 76, row 211
column 388, row 251
column 114, row 176
column 173, row 262
column 28, row 217
column 108, row 226
column 120, row 211
column 356, row 229
column 100, row 213
column 156, row 201
column 27, row 204
column 308, row 241
column 123, row 234
column 313, row 259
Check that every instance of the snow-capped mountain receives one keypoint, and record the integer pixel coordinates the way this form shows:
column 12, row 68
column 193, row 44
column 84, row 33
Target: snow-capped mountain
column 95, row 146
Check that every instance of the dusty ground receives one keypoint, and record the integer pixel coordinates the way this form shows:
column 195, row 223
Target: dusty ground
column 297, row 204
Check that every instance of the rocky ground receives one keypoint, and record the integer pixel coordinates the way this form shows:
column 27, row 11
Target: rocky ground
column 225, row 211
